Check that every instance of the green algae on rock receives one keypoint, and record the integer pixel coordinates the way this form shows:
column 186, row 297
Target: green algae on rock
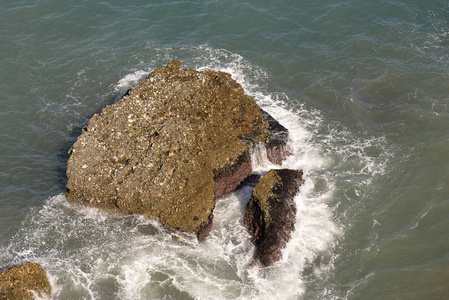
column 168, row 148
column 24, row 282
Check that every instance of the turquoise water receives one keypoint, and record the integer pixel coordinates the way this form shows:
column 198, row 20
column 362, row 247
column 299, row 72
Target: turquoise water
column 363, row 87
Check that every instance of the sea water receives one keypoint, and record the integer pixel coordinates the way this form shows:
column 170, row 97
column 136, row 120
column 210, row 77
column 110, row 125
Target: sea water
column 362, row 87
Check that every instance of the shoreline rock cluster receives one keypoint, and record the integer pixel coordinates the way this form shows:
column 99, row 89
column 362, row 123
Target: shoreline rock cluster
column 171, row 146
column 168, row 149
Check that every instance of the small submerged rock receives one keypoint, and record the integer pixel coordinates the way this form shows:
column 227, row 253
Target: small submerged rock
column 271, row 212
column 24, row 282
column 171, row 146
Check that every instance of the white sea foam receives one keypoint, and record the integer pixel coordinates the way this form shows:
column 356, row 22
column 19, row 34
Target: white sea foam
column 36, row 296
column 130, row 80
column 316, row 231
column 259, row 159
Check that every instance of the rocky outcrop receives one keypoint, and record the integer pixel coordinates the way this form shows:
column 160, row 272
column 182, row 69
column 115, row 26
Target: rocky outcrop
column 169, row 148
column 24, row 282
column 271, row 212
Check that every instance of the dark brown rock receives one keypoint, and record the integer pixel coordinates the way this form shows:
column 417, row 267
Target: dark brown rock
column 168, row 148
column 271, row 212
column 21, row 281
column 277, row 145
column 228, row 179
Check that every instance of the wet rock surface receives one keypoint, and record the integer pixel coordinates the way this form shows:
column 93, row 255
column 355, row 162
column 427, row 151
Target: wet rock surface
column 24, row 282
column 277, row 145
column 271, row 212
column 169, row 148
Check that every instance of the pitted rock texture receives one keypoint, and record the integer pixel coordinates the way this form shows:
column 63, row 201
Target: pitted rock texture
column 271, row 212
column 168, row 148
column 24, row 282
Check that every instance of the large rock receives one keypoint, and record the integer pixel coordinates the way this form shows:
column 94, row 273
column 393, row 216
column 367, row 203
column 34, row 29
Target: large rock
column 24, row 282
column 271, row 212
column 169, row 148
